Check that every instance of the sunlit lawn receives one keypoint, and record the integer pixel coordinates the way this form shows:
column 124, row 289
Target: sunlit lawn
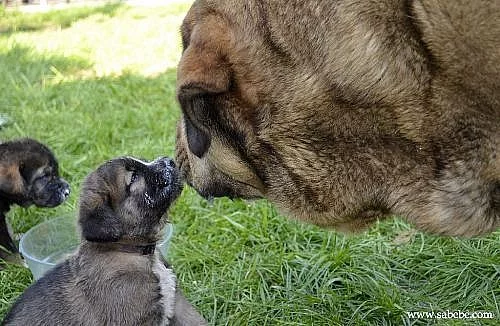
column 95, row 83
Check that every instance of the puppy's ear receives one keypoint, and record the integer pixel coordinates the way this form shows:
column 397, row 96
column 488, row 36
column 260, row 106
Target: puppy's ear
column 203, row 66
column 98, row 221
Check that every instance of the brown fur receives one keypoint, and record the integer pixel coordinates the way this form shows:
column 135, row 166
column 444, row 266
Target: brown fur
column 29, row 175
column 344, row 112
column 112, row 279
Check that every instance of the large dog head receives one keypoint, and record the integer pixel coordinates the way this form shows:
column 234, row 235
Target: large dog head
column 127, row 198
column 341, row 112
column 29, row 174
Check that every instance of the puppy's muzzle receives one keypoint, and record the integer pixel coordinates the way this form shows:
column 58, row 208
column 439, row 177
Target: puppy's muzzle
column 167, row 176
column 54, row 194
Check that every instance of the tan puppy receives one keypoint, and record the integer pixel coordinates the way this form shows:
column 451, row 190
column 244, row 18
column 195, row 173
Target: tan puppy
column 116, row 277
column 344, row 112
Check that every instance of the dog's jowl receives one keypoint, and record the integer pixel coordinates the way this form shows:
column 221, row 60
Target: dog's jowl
column 29, row 175
column 116, row 276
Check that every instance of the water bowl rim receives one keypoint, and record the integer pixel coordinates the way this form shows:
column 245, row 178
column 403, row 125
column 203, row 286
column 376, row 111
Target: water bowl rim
column 168, row 232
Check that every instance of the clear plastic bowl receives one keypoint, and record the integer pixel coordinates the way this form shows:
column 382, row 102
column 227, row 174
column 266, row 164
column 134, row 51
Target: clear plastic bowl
column 52, row 241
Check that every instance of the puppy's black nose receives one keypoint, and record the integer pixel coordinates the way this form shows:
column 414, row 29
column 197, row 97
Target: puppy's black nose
column 64, row 190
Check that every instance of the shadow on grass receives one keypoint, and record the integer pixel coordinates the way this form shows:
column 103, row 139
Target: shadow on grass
column 15, row 21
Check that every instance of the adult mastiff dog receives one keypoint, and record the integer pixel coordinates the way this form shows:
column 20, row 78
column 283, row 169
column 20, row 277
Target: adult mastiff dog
column 344, row 112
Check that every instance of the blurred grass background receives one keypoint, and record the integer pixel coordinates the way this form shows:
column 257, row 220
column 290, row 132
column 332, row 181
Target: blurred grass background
column 98, row 82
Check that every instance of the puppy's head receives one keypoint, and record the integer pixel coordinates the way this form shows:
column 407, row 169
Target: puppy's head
column 29, row 174
column 127, row 198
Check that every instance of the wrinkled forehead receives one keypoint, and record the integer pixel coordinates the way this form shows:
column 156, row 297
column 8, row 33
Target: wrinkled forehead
column 197, row 14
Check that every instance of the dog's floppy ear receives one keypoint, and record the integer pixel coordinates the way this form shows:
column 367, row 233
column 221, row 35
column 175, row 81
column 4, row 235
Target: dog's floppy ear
column 203, row 71
column 98, row 221
column 203, row 66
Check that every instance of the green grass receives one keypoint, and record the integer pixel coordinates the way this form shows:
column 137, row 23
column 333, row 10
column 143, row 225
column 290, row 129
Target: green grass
column 100, row 82
column 13, row 21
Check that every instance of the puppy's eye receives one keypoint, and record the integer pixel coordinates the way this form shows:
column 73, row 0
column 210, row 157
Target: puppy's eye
column 42, row 177
column 133, row 177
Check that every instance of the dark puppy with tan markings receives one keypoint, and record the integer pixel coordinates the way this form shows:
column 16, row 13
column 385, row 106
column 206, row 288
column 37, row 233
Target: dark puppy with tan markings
column 348, row 111
column 29, row 175
column 116, row 277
